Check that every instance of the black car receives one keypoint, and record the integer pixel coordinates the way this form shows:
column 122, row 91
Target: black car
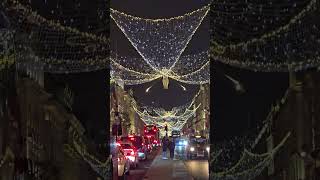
column 198, row 148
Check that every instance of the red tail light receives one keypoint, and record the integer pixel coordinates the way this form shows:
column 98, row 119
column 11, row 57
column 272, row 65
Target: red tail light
column 142, row 144
column 132, row 153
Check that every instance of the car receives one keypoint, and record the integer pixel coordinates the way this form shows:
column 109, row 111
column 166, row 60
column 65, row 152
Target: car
column 198, row 148
column 139, row 143
column 120, row 163
column 130, row 153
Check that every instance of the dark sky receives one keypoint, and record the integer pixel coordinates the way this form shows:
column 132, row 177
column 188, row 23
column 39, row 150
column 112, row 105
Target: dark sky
column 236, row 114
column 174, row 96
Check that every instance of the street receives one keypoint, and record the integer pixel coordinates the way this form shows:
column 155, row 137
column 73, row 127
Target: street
column 141, row 170
column 198, row 169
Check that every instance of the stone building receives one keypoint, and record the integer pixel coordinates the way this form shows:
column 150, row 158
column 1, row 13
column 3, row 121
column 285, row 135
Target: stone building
column 42, row 138
column 121, row 102
column 200, row 123
column 298, row 114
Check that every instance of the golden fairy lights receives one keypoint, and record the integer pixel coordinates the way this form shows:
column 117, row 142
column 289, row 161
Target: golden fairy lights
column 161, row 42
column 174, row 119
column 250, row 165
column 260, row 48
column 63, row 50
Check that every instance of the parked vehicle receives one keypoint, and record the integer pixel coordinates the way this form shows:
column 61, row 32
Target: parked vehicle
column 198, row 148
column 139, row 143
column 130, row 153
column 120, row 163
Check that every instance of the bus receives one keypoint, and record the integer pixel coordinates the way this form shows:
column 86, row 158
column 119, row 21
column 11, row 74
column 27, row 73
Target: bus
column 151, row 132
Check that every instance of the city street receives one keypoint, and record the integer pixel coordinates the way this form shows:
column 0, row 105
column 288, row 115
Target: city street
column 198, row 169
column 143, row 167
column 156, row 167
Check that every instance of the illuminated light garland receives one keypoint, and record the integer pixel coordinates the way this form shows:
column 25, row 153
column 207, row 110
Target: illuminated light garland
column 258, row 163
column 191, row 69
column 310, row 6
column 102, row 168
column 295, row 44
column 160, row 41
column 63, row 50
column 7, row 58
column 174, row 119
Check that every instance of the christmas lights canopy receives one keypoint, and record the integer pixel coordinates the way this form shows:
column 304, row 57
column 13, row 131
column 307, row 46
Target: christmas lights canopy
column 266, row 35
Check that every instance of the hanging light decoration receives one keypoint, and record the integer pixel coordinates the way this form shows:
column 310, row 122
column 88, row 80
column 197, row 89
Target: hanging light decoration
column 266, row 36
column 49, row 46
column 161, row 42
column 250, row 165
column 174, row 119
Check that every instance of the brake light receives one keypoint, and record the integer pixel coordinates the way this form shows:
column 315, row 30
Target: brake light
column 132, row 138
column 155, row 130
column 118, row 144
column 142, row 144
column 132, row 153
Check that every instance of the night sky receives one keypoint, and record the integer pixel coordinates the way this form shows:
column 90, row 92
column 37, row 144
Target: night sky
column 158, row 97
column 237, row 113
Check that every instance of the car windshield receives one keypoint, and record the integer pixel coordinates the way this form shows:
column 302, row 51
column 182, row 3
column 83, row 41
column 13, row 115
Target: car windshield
column 200, row 141
column 136, row 141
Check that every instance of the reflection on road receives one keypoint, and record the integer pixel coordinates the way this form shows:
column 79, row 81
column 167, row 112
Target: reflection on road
column 199, row 169
column 141, row 170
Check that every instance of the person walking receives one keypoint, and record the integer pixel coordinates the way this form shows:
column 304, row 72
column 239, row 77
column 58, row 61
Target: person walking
column 171, row 148
column 164, row 147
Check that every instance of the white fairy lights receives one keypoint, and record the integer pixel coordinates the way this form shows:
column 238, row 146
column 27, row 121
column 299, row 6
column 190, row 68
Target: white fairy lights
column 190, row 69
column 51, row 47
column 266, row 36
column 161, row 42
column 174, row 119
column 250, row 165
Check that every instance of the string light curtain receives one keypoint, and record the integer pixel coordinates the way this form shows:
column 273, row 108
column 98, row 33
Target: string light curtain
column 7, row 58
column 174, row 119
column 50, row 46
column 269, row 36
column 190, row 69
column 161, row 42
column 250, row 164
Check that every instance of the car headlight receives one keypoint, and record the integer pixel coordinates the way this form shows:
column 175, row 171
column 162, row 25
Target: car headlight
column 185, row 143
column 208, row 149
column 192, row 149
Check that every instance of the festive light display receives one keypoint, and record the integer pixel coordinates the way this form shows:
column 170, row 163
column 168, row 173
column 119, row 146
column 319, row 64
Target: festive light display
column 250, row 165
column 225, row 152
column 190, row 69
column 266, row 36
column 49, row 46
column 161, row 43
column 174, row 119
column 7, row 58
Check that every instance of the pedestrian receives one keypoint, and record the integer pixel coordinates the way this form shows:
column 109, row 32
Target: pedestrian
column 171, row 147
column 164, row 147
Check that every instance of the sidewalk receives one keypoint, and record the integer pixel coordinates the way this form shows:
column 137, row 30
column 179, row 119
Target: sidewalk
column 167, row 169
